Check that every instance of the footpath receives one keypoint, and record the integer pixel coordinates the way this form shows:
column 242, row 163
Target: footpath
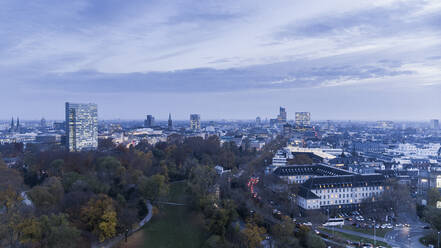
column 116, row 240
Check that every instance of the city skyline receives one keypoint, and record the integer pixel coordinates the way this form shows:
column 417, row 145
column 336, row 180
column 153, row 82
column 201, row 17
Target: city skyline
column 340, row 60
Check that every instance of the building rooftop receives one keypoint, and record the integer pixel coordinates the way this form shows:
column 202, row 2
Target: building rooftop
column 315, row 169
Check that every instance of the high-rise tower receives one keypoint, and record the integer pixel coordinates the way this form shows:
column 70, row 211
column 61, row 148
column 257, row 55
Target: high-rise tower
column 281, row 118
column 195, row 122
column 149, row 121
column 81, row 126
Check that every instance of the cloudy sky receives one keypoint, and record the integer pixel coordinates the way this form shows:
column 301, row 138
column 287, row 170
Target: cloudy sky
column 359, row 60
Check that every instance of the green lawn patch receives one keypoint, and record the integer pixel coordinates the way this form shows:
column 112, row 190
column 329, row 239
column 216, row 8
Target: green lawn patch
column 354, row 238
column 173, row 227
column 378, row 231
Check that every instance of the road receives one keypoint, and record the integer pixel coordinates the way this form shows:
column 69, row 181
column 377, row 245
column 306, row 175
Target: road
column 408, row 236
column 399, row 236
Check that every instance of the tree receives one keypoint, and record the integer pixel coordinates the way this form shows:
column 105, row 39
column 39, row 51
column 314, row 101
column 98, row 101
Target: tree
column 11, row 217
column 56, row 168
column 433, row 196
column 253, row 235
column 202, row 178
column 58, row 232
column 30, row 231
column 395, row 196
column 42, row 198
column 315, row 241
column 9, row 177
column 154, row 187
column 433, row 216
column 283, row 233
column 99, row 216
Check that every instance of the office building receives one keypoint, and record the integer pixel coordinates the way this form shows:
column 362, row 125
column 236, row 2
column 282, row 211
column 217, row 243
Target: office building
column 43, row 123
column 149, row 121
column 434, row 124
column 303, row 119
column 258, row 121
column 281, row 118
column 81, row 126
column 195, row 122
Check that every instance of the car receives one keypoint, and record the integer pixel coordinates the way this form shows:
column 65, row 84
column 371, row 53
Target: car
column 307, row 223
column 426, row 227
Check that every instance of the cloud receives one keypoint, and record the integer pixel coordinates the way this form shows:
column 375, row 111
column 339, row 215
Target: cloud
column 79, row 47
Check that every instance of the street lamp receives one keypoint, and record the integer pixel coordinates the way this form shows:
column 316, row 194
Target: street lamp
column 375, row 242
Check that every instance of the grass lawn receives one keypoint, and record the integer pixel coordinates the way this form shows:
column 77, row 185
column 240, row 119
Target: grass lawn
column 354, row 238
column 378, row 231
column 173, row 227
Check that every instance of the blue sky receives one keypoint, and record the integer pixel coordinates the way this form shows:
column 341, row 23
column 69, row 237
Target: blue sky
column 360, row 60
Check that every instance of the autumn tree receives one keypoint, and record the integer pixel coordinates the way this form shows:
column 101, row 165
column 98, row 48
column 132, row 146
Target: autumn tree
column 99, row 216
column 10, row 204
column 253, row 235
column 283, row 233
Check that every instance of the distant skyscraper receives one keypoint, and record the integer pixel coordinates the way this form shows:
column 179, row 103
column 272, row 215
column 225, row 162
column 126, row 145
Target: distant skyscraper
column 195, row 122
column 258, row 121
column 434, row 124
column 170, row 122
column 282, row 115
column 81, row 126
column 43, row 123
column 303, row 119
column 150, row 121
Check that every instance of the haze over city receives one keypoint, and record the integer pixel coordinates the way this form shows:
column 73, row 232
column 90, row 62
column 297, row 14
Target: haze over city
column 354, row 60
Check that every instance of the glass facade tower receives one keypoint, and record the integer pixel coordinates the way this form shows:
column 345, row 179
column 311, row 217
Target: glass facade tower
column 81, row 126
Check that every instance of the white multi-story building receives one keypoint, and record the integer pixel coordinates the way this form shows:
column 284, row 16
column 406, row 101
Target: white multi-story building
column 345, row 191
column 324, row 186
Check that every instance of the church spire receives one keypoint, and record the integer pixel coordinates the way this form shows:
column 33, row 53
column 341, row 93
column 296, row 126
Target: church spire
column 170, row 122
column 12, row 124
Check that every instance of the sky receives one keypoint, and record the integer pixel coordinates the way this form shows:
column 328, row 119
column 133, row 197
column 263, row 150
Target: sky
column 229, row 59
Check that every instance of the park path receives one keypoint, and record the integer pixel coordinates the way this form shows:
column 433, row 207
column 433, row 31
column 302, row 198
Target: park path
column 116, row 240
